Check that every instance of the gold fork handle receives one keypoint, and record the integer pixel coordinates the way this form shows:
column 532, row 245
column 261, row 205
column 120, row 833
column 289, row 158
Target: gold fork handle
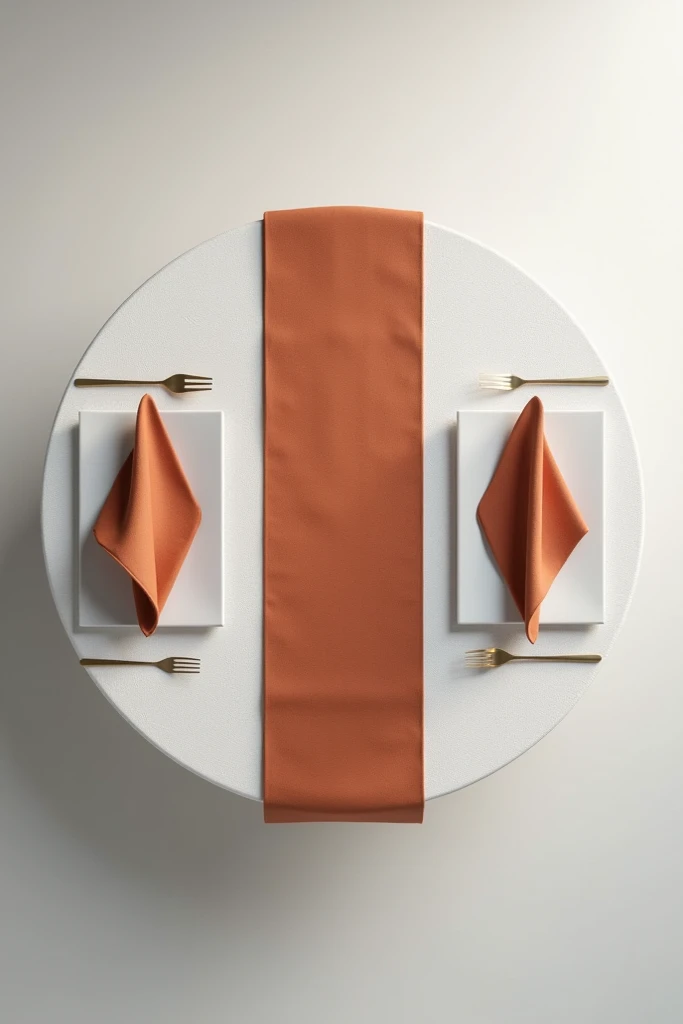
column 99, row 382
column 112, row 661
column 599, row 382
column 558, row 657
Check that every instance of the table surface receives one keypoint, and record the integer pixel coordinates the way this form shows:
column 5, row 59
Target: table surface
column 202, row 314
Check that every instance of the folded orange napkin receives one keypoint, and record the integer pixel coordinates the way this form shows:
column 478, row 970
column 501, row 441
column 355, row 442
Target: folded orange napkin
column 528, row 516
column 150, row 517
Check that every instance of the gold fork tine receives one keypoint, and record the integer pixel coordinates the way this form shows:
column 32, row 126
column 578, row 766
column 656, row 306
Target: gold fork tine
column 185, row 666
column 490, row 658
column 183, row 383
column 496, row 381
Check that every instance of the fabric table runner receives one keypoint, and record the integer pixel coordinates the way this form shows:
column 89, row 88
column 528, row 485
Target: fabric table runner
column 343, row 581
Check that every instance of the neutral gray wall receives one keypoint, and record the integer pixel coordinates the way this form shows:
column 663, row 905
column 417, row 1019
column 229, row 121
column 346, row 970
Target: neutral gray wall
column 131, row 130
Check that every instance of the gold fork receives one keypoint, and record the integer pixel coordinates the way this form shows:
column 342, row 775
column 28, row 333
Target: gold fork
column 177, row 384
column 185, row 665
column 508, row 381
column 494, row 657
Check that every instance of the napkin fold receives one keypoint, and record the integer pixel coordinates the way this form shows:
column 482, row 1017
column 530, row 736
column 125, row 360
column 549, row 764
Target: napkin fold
column 150, row 517
column 529, row 517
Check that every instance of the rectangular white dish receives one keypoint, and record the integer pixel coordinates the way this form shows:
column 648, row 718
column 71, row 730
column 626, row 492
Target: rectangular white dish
column 105, row 597
column 576, row 597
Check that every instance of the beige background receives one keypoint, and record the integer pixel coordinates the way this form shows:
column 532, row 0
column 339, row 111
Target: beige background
column 131, row 890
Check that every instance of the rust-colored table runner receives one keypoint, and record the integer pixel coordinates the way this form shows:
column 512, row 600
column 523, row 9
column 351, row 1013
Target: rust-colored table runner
column 343, row 727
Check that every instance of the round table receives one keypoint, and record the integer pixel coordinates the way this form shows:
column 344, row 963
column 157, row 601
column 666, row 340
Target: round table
column 203, row 314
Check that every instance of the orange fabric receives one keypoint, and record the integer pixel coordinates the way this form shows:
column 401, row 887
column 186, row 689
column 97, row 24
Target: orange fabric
column 150, row 517
column 528, row 516
column 343, row 515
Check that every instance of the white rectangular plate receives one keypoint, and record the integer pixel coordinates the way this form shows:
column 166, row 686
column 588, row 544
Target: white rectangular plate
column 105, row 596
column 577, row 595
